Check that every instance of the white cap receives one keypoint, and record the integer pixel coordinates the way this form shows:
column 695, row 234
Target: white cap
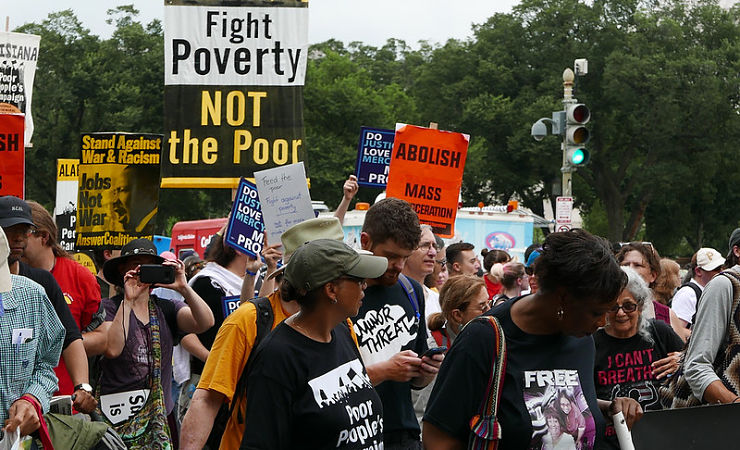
column 5, row 283
column 709, row 259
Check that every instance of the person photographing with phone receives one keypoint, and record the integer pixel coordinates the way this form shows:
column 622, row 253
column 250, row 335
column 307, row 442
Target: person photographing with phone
column 136, row 371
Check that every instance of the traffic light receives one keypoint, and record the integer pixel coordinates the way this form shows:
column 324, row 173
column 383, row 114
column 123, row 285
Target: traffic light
column 577, row 135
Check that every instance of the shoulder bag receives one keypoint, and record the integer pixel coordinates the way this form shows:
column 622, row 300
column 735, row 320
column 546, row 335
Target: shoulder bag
column 485, row 429
column 148, row 429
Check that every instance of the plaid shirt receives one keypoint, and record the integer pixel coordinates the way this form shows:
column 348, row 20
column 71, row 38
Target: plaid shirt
column 28, row 367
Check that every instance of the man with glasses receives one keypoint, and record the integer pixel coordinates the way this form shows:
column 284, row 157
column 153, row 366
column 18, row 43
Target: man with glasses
column 420, row 264
column 17, row 223
column 390, row 325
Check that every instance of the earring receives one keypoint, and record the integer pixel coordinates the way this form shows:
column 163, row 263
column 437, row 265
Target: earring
column 560, row 313
column 334, row 301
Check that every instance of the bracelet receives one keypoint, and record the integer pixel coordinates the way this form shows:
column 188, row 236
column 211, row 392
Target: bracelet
column 249, row 272
column 735, row 399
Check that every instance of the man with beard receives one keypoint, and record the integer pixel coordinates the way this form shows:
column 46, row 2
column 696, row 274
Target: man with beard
column 390, row 325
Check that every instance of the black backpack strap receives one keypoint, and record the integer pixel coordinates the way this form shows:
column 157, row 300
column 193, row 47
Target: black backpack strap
column 697, row 291
column 264, row 322
column 410, row 293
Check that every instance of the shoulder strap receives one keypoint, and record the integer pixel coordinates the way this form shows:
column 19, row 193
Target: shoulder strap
column 410, row 293
column 697, row 292
column 265, row 320
column 265, row 317
column 485, row 427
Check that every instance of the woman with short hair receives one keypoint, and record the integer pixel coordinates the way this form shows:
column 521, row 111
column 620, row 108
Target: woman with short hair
column 549, row 348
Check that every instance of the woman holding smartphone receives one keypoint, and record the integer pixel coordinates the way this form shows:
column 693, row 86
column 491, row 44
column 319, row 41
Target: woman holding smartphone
column 307, row 386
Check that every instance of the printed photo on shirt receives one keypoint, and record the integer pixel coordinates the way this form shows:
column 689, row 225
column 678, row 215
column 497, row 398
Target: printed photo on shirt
column 558, row 409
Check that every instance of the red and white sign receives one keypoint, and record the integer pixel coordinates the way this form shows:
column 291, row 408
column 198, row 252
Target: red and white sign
column 563, row 209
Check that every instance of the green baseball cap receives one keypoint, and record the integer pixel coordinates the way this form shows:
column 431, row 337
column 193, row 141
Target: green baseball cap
column 320, row 261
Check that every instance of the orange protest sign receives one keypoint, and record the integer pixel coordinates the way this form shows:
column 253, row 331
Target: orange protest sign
column 12, row 155
column 426, row 170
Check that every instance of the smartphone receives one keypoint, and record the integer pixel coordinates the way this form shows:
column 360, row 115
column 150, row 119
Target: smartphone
column 434, row 351
column 156, row 274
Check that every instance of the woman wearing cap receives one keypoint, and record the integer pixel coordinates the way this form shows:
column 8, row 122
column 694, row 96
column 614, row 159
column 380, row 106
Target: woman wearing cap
column 633, row 353
column 136, row 372
column 549, row 349
column 308, row 387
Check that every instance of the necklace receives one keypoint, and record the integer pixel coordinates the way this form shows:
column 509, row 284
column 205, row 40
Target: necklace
column 304, row 331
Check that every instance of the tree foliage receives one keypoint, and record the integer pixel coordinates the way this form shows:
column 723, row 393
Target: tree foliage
column 663, row 88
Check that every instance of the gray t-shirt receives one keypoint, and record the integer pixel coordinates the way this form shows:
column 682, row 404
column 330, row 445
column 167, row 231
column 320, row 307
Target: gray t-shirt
column 709, row 333
column 130, row 370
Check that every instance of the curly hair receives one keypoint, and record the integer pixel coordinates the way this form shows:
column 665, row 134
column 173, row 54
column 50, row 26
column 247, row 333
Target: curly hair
column 648, row 252
column 393, row 219
column 581, row 263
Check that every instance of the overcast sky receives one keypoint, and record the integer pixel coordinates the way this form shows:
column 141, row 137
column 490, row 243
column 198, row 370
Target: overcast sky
column 371, row 22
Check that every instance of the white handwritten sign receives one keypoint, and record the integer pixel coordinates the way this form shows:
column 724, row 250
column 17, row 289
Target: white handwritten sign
column 285, row 200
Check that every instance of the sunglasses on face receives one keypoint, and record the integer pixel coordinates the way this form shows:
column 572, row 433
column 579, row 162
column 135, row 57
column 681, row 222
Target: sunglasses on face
column 626, row 307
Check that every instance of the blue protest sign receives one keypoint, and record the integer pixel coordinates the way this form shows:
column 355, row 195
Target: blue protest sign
column 245, row 231
column 374, row 156
column 229, row 304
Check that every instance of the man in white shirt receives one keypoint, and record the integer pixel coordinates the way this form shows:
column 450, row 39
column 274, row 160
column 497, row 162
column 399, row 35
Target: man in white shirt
column 705, row 264
column 420, row 264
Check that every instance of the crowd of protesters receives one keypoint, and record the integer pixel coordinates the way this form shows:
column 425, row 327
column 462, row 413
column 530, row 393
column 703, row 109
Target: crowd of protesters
column 397, row 344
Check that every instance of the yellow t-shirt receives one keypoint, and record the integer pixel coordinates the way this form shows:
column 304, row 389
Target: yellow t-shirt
column 229, row 355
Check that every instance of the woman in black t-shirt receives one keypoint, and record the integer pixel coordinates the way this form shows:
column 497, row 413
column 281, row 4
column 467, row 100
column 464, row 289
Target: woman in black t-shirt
column 307, row 386
column 633, row 353
column 550, row 354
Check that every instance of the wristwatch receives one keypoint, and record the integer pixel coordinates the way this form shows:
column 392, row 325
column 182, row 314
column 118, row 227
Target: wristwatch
column 85, row 387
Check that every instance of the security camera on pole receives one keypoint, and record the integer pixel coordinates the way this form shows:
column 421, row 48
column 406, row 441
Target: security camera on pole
column 570, row 124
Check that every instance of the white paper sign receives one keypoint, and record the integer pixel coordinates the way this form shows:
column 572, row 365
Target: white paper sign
column 122, row 406
column 235, row 46
column 285, row 199
column 18, row 55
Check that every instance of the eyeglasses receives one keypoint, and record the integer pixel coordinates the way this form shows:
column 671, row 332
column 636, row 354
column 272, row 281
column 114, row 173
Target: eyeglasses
column 426, row 246
column 362, row 282
column 626, row 307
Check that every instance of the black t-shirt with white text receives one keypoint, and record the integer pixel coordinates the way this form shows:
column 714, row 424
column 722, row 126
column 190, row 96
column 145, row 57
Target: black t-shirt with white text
column 548, row 399
column 387, row 324
column 311, row 395
column 623, row 368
